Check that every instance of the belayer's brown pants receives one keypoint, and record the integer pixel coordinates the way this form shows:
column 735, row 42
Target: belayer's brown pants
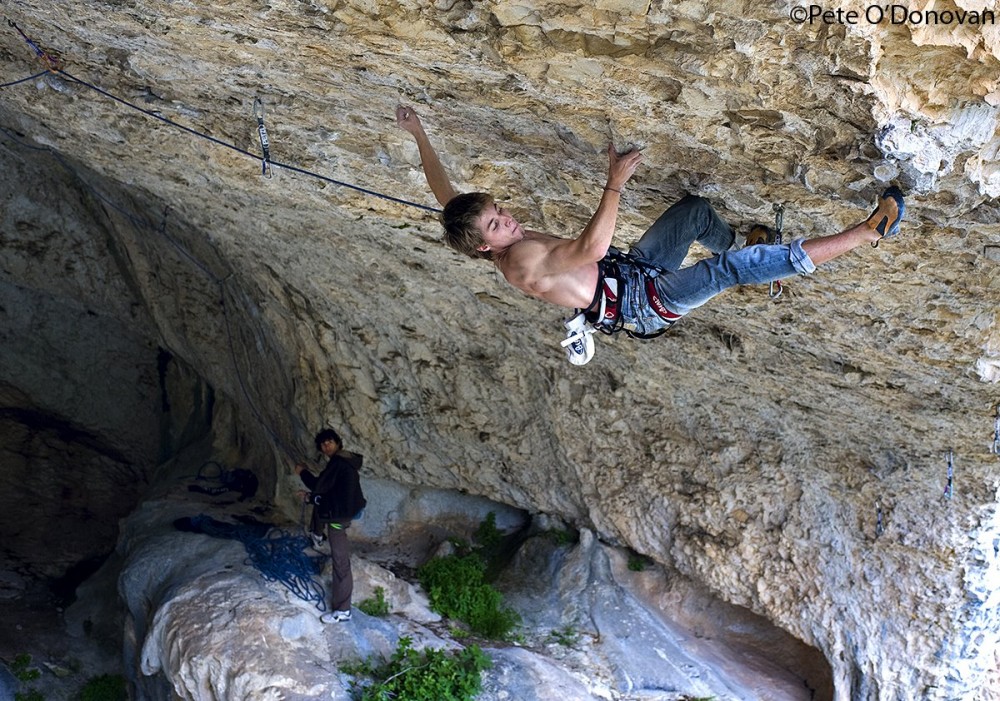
column 340, row 554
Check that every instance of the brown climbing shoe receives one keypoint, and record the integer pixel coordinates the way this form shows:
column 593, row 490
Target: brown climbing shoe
column 759, row 234
column 888, row 214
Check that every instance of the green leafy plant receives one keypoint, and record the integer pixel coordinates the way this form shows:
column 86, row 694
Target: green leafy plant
column 637, row 563
column 566, row 636
column 106, row 687
column 488, row 535
column 377, row 605
column 562, row 536
column 22, row 669
column 457, row 588
column 420, row 675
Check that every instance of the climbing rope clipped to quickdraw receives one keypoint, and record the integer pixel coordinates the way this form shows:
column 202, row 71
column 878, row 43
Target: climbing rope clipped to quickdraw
column 265, row 144
column 55, row 68
column 52, row 62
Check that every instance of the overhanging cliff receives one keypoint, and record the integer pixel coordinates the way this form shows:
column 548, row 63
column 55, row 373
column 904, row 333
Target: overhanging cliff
column 789, row 454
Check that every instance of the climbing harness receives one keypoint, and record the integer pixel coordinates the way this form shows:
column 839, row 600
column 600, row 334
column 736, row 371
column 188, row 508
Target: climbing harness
column 996, row 433
column 605, row 310
column 265, row 145
column 774, row 289
column 619, row 273
column 949, row 487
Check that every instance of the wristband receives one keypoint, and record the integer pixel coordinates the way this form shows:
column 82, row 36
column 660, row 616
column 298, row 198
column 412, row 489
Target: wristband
column 613, row 190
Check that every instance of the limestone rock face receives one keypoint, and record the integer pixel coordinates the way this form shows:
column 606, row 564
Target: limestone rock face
column 790, row 455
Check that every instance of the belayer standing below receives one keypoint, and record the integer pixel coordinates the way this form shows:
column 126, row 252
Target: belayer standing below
column 644, row 291
column 337, row 499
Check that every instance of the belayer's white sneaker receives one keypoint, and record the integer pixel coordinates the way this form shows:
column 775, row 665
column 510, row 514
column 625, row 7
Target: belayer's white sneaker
column 335, row 617
column 579, row 342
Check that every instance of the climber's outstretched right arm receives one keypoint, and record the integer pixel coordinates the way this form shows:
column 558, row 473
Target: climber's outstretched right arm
column 436, row 176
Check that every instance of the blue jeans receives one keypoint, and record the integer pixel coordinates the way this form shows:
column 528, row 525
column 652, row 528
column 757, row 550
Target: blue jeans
column 667, row 241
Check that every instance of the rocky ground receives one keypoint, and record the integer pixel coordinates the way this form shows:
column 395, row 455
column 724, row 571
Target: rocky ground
column 34, row 625
column 584, row 627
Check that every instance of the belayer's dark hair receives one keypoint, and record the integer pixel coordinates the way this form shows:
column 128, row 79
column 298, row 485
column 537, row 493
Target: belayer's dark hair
column 328, row 434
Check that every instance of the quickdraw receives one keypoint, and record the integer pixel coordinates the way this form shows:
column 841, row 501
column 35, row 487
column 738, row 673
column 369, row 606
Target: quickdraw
column 775, row 289
column 265, row 144
column 879, row 528
column 51, row 62
column 996, row 433
column 949, row 488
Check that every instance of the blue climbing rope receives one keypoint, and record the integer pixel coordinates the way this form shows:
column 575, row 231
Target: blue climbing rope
column 278, row 555
column 23, row 80
column 280, row 558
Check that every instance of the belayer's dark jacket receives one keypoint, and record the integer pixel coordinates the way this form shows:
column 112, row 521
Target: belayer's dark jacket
column 336, row 494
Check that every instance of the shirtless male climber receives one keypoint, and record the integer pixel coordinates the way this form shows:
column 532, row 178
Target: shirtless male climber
column 644, row 291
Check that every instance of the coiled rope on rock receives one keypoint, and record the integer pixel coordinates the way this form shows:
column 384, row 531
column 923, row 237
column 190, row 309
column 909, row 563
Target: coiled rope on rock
column 278, row 555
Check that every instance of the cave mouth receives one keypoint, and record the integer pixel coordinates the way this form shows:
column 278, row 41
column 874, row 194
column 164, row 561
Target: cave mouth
column 726, row 631
column 64, row 491
column 68, row 477
column 754, row 633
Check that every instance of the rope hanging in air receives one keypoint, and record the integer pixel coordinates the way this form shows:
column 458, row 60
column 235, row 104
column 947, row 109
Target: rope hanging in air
column 54, row 67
